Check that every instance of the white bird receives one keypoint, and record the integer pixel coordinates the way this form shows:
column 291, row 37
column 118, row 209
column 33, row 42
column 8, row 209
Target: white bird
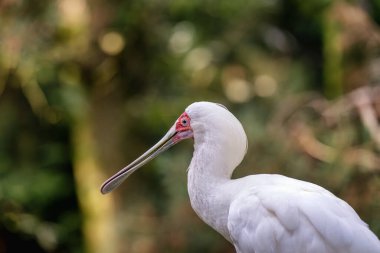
column 258, row 213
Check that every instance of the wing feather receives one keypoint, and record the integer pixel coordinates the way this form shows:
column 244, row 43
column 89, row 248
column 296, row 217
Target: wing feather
column 298, row 219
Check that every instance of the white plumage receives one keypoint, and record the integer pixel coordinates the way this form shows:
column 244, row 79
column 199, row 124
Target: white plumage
column 286, row 215
column 259, row 213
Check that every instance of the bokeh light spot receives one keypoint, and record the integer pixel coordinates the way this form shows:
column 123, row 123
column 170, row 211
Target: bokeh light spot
column 112, row 43
column 73, row 12
column 198, row 59
column 237, row 90
column 182, row 38
column 265, row 86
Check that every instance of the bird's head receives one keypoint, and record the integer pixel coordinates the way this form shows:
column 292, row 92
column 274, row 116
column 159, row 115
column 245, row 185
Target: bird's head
column 206, row 122
column 219, row 137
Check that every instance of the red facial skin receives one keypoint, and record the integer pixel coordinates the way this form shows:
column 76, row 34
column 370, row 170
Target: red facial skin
column 183, row 128
column 181, row 125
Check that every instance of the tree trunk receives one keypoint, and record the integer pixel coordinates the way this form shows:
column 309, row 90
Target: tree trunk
column 98, row 210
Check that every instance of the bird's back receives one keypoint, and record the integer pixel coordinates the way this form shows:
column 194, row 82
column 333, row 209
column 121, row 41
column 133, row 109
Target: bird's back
column 281, row 214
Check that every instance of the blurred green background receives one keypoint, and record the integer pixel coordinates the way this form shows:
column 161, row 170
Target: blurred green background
column 87, row 86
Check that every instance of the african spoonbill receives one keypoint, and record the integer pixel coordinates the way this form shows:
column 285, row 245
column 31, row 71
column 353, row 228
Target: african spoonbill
column 258, row 213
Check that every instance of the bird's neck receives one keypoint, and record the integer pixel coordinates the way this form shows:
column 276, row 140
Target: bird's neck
column 209, row 177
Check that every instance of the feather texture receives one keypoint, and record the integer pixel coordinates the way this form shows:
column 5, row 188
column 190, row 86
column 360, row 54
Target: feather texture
column 264, row 213
column 287, row 215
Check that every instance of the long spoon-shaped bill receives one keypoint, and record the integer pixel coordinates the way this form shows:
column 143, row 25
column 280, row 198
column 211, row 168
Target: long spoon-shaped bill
column 166, row 142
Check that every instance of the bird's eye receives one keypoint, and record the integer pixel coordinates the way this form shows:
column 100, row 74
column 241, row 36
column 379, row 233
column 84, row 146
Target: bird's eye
column 184, row 122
